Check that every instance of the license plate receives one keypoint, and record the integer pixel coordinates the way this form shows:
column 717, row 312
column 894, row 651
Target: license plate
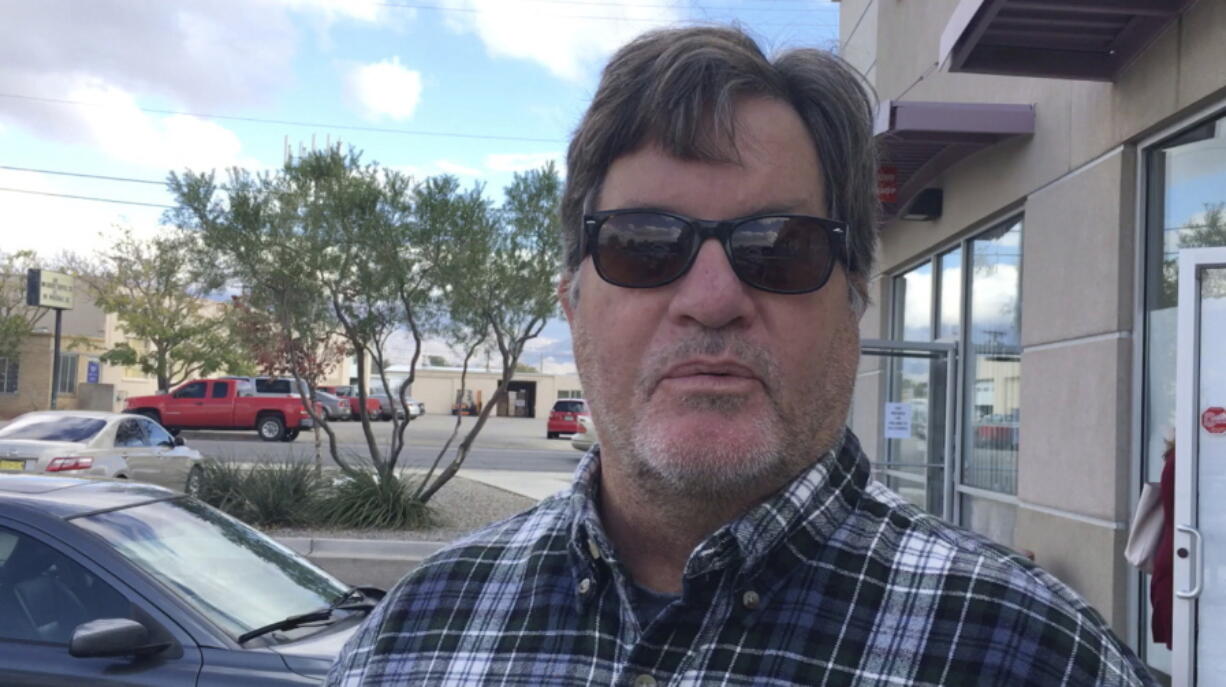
column 12, row 465
column 568, row 418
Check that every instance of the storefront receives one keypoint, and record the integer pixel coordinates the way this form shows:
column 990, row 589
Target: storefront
column 1020, row 368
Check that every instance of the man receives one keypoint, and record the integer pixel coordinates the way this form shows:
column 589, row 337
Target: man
column 719, row 224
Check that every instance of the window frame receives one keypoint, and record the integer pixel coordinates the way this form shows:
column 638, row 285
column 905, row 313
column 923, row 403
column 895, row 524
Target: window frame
column 6, row 367
column 69, row 369
column 965, row 392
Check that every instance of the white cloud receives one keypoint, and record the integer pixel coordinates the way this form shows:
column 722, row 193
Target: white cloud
column 557, row 366
column 385, row 89
column 50, row 225
column 568, row 40
column 519, row 162
column 449, row 167
column 539, row 344
column 120, row 129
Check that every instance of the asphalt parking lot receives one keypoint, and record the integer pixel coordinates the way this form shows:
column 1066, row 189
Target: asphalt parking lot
column 504, row 444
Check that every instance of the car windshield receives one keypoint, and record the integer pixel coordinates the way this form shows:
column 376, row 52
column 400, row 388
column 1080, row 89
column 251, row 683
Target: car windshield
column 568, row 407
column 49, row 428
column 233, row 575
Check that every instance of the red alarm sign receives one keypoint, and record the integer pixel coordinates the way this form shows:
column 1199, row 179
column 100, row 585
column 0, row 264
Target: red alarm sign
column 1214, row 420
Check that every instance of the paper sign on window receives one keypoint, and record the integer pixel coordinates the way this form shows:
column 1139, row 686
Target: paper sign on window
column 898, row 421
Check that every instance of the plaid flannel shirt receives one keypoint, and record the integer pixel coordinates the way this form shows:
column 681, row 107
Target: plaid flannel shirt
column 835, row 580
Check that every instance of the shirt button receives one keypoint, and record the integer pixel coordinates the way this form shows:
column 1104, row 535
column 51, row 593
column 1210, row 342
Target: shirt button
column 585, row 585
column 750, row 599
column 644, row 681
column 593, row 549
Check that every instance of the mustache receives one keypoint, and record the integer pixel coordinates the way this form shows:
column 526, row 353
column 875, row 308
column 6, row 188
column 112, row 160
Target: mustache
column 709, row 343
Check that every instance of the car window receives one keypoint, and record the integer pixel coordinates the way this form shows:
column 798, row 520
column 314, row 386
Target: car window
column 233, row 575
column 569, row 407
column 193, row 390
column 221, row 389
column 129, row 434
column 45, row 595
column 156, row 435
column 53, row 428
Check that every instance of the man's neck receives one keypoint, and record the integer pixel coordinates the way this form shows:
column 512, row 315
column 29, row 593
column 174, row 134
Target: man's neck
column 655, row 534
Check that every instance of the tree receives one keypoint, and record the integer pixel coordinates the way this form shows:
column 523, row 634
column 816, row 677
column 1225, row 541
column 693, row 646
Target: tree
column 162, row 300
column 436, row 361
column 17, row 320
column 513, row 296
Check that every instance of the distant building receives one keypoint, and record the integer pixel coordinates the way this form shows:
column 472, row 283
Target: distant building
column 531, row 394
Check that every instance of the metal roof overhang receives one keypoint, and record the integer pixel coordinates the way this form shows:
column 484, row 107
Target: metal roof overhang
column 1066, row 39
column 923, row 139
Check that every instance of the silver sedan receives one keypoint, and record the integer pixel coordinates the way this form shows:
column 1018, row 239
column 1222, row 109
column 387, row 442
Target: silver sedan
column 73, row 443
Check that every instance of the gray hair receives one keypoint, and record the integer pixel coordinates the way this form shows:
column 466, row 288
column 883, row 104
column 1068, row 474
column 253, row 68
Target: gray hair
column 679, row 88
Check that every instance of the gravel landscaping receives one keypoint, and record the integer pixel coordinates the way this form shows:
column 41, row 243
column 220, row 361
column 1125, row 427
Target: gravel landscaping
column 460, row 507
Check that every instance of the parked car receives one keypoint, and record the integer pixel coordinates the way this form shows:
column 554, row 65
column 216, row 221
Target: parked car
column 224, row 404
column 103, row 582
column 336, row 409
column 586, row 437
column 564, row 418
column 78, row 442
column 374, row 409
column 388, row 405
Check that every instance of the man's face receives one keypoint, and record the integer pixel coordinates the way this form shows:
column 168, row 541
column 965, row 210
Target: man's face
column 706, row 385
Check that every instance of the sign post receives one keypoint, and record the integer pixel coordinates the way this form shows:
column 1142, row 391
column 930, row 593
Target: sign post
column 51, row 290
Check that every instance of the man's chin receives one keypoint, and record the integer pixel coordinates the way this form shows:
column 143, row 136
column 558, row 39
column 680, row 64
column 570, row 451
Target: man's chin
column 708, row 451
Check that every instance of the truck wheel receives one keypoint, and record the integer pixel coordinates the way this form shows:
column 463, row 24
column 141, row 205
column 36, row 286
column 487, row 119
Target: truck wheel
column 270, row 428
column 290, row 435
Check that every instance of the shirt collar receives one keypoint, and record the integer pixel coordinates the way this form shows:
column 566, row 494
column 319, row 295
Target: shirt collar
column 812, row 506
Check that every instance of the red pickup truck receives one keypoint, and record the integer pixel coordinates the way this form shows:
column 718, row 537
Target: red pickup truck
column 224, row 404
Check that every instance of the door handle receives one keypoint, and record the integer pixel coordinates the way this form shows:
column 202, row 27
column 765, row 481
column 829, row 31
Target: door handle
column 1195, row 562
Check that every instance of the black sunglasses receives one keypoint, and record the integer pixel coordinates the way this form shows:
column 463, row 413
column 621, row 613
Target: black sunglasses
column 780, row 253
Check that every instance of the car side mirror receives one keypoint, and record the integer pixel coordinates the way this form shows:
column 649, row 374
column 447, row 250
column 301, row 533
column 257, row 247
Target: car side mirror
column 109, row 637
column 178, row 441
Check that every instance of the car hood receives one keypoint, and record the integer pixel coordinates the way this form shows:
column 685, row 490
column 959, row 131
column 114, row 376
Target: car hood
column 27, row 448
column 314, row 655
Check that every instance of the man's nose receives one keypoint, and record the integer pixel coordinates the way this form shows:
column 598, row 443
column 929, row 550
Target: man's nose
column 710, row 293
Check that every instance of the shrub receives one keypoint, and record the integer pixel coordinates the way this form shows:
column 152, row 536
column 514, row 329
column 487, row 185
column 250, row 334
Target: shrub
column 365, row 501
column 275, row 493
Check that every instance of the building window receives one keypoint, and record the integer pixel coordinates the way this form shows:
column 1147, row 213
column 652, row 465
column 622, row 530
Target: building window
column 969, row 295
column 9, row 370
column 570, row 393
column 68, row 373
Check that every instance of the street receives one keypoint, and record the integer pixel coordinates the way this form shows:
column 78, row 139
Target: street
column 504, row 444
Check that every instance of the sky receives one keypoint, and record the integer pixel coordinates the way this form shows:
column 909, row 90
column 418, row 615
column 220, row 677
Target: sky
column 135, row 89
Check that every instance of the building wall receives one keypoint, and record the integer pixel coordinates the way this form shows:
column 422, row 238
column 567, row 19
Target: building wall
column 437, row 388
column 1075, row 182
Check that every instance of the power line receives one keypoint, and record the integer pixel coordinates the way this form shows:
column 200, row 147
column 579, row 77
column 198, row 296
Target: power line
column 289, row 122
column 83, row 175
column 93, row 198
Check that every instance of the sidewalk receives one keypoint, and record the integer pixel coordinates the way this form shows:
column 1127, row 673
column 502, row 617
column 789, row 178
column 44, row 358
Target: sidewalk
column 534, row 485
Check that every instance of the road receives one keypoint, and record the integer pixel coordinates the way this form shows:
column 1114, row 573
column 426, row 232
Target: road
column 504, row 444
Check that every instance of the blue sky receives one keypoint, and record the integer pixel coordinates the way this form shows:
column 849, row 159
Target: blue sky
column 476, row 88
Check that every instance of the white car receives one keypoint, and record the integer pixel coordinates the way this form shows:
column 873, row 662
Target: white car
column 78, row 442
column 583, row 440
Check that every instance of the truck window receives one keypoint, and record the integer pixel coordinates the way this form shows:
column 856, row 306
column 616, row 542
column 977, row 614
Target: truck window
column 273, row 386
column 221, row 389
column 193, row 390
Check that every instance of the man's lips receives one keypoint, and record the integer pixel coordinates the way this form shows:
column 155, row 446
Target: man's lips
column 694, row 368
column 716, row 376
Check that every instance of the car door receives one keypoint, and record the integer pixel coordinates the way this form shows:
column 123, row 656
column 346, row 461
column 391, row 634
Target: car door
column 185, row 407
column 47, row 590
column 158, row 460
column 132, row 446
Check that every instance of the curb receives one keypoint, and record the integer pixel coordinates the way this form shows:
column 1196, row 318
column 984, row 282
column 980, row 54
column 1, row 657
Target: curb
column 372, row 549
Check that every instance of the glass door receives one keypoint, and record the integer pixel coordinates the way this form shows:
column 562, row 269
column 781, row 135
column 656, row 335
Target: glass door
column 1199, row 610
column 918, row 419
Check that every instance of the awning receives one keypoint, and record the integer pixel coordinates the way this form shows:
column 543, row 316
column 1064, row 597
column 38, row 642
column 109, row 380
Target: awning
column 920, row 140
column 1068, row 39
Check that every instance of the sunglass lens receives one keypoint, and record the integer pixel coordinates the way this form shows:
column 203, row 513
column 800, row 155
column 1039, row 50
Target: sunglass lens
column 786, row 254
column 642, row 249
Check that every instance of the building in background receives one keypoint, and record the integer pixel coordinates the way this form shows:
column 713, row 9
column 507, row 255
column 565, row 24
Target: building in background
column 1042, row 162
column 531, row 394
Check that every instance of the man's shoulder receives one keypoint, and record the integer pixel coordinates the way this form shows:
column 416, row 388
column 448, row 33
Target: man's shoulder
column 992, row 592
column 541, row 529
